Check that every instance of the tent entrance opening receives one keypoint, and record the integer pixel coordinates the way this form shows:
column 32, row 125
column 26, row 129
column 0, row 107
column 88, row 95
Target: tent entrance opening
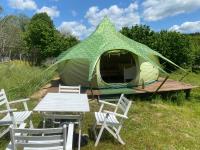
column 117, row 66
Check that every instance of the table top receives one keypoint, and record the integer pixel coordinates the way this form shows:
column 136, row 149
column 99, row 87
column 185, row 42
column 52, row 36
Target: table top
column 63, row 102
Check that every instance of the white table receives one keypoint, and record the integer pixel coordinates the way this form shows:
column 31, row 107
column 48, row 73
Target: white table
column 64, row 102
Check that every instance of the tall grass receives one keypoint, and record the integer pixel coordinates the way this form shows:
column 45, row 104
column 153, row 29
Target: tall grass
column 19, row 79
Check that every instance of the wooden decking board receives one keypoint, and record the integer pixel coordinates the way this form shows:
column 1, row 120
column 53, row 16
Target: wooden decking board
column 169, row 85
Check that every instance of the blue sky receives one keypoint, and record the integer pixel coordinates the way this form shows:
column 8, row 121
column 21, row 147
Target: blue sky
column 81, row 17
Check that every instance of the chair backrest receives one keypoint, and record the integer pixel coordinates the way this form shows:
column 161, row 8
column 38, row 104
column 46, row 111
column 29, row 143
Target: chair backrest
column 69, row 89
column 38, row 138
column 3, row 103
column 123, row 104
column 3, row 99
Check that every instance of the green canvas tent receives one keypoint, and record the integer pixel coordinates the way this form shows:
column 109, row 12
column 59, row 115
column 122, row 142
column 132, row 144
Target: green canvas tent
column 108, row 59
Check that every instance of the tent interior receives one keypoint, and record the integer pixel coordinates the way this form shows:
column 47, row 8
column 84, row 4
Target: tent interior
column 118, row 66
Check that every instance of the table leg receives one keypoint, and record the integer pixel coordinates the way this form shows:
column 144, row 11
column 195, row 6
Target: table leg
column 79, row 139
column 44, row 120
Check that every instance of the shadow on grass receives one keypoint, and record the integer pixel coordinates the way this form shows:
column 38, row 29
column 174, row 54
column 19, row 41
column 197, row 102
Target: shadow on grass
column 106, row 136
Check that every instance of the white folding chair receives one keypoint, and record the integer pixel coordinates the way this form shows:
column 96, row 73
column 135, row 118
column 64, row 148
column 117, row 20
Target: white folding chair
column 69, row 89
column 112, row 121
column 11, row 116
column 42, row 139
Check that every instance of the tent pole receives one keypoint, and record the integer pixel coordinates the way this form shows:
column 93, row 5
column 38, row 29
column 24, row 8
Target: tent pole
column 161, row 85
column 142, row 84
column 184, row 76
column 91, row 90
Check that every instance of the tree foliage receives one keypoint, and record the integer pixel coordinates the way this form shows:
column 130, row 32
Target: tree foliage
column 11, row 41
column 139, row 33
column 44, row 40
column 173, row 45
column 195, row 47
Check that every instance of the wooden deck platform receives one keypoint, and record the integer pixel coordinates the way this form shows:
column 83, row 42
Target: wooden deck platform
column 169, row 86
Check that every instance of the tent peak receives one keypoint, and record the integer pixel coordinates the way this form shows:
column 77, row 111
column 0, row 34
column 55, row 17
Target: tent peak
column 105, row 25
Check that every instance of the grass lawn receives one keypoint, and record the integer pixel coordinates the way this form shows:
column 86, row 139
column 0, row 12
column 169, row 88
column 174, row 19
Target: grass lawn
column 156, row 124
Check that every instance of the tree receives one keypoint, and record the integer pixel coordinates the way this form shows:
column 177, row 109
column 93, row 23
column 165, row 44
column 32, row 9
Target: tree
column 139, row 33
column 62, row 43
column 22, row 22
column 44, row 40
column 195, row 47
column 173, row 45
column 11, row 41
column 39, row 35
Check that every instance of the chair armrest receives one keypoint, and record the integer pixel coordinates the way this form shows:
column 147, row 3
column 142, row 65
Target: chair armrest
column 107, row 103
column 7, row 111
column 116, row 114
column 19, row 101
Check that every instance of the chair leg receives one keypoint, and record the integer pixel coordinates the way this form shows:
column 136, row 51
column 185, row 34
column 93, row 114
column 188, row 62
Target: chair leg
column 99, row 136
column 94, row 130
column 120, row 139
column 115, row 134
column 79, row 137
column 31, row 124
column 44, row 121
column 118, row 136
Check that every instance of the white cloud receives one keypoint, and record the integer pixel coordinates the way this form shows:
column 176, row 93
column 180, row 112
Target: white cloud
column 159, row 9
column 23, row 4
column 51, row 11
column 187, row 27
column 75, row 28
column 119, row 16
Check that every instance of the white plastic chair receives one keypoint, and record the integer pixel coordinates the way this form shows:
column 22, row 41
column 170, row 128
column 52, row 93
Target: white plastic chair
column 42, row 139
column 112, row 121
column 69, row 89
column 11, row 116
